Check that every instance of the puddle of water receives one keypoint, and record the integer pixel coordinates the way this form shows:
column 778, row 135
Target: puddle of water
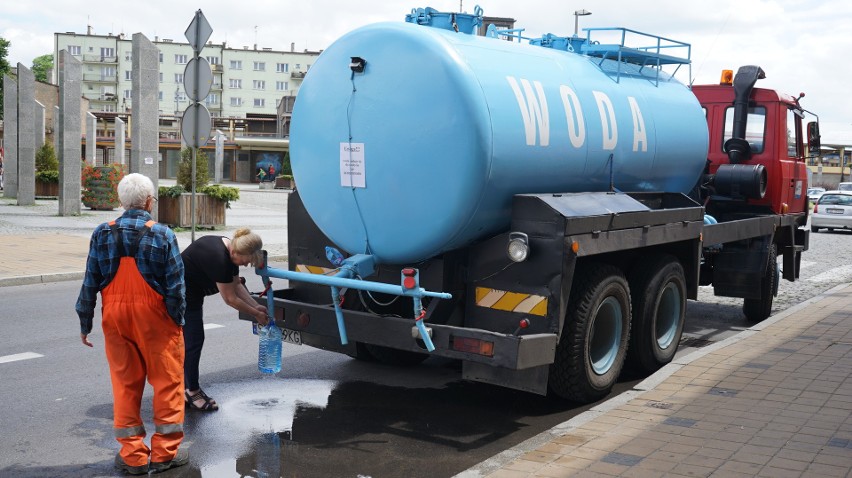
column 253, row 415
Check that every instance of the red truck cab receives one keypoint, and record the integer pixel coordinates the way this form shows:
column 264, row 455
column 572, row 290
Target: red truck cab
column 765, row 141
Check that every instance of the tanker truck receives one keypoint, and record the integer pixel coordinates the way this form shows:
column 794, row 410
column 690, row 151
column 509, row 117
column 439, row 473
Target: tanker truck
column 540, row 209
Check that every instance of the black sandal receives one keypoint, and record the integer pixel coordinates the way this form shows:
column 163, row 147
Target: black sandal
column 210, row 405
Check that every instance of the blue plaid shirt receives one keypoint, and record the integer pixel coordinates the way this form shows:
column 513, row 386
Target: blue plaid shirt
column 158, row 259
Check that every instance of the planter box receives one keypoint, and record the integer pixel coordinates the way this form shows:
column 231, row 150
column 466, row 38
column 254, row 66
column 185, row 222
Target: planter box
column 43, row 189
column 209, row 212
column 284, row 183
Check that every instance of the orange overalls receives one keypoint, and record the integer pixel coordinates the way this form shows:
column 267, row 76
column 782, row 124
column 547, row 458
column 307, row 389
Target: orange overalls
column 141, row 339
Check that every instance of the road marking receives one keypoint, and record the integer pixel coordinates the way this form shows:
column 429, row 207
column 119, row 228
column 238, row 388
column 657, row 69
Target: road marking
column 212, row 326
column 16, row 357
column 838, row 274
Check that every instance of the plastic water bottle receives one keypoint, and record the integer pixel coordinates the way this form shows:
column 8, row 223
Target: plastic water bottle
column 269, row 348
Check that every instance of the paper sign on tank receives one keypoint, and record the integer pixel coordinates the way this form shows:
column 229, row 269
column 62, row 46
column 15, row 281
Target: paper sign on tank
column 352, row 172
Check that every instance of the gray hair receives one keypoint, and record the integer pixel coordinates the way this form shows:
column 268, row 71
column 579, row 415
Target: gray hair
column 134, row 189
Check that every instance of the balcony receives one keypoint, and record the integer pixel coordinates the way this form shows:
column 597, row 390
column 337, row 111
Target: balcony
column 216, row 87
column 216, row 68
column 99, row 78
column 100, row 59
column 298, row 75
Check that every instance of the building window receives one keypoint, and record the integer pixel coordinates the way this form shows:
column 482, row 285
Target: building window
column 236, row 101
column 298, row 66
column 235, row 83
column 280, row 86
column 127, row 74
column 160, row 97
column 161, row 77
column 74, row 50
column 282, row 67
column 213, row 60
column 259, row 66
column 107, row 52
column 178, row 77
column 107, row 73
column 161, row 57
column 108, row 108
column 212, row 99
column 180, row 59
column 259, row 102
column 127, row 94
column 258, row 84
column 236, row 64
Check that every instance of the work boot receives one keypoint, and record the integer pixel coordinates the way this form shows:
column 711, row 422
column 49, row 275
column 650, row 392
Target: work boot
column 130, row 470
column 181, row 458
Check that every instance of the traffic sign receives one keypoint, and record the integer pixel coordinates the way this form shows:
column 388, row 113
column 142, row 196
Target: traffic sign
column 198, row 31
column 204, row 80
column 195, row 125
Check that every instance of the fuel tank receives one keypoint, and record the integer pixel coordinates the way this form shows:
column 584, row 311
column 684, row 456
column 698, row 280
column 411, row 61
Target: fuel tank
column 408, row 141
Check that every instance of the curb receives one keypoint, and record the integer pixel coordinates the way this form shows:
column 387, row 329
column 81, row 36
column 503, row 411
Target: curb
column 505, row 457
column 72, row 276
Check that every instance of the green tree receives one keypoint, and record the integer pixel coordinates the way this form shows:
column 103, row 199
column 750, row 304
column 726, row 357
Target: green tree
column 42, row 66
column 45, row 159
column 5, row 68
column 202, row 174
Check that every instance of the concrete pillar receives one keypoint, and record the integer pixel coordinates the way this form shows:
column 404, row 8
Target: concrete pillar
column 91, row 138
column 10, row 137
column 119, row 141
column 69, row 133
column 39, row 125
column 144, row 130
column 56, row 129
column 26, row 136
column 220, row 156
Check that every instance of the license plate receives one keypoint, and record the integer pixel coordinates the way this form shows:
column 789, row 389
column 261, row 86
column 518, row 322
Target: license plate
column 287, row 335
column 834, row 211
column 291, row 336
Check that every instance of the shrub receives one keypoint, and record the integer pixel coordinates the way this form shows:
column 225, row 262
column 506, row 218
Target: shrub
column 222, row 193
column 45, row 159
column 47, row 176
column 184, row 176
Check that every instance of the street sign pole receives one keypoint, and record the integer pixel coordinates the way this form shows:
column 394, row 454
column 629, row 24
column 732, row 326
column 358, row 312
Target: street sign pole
column 197, row 80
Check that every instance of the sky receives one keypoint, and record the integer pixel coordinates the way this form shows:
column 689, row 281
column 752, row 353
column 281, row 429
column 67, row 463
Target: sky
column 802, row 45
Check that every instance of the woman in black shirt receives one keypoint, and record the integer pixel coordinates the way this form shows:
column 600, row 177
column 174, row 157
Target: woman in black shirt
column 211, row 265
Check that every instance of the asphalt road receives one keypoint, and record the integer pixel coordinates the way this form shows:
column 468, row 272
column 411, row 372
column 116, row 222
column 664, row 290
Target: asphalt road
column 324, row 415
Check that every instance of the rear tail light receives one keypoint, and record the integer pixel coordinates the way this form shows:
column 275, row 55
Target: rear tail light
column 815, row 207
column 473, row 346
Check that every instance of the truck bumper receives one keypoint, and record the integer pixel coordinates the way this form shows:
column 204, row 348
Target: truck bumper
column 317, row 325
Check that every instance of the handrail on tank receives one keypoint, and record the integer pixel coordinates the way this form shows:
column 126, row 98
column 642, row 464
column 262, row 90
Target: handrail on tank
column 360, row 265
column 643, row 55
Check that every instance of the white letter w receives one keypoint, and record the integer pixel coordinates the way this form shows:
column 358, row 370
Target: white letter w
column 533, row 110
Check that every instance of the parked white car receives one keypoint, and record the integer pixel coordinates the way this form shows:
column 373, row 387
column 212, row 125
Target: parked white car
column 814, row 194
column 832, row 211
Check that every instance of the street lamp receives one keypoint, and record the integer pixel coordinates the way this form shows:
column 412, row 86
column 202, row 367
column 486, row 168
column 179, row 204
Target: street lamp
column 577, row 15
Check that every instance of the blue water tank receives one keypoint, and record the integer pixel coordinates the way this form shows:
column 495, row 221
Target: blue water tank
column 421, row 151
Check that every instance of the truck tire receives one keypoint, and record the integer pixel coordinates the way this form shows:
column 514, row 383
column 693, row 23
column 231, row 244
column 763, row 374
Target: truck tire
column 397, row 357
column 756, row 310
column 658, row 289
column 593, row 344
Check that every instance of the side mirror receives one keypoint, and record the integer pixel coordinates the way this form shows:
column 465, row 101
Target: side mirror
column 813, row 137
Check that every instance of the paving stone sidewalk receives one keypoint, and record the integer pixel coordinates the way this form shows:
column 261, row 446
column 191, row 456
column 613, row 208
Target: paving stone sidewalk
column 773, row 401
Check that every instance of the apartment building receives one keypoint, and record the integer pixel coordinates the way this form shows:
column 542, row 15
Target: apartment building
column 247, row 81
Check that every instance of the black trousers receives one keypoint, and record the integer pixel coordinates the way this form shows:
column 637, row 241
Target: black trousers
column 193, row 339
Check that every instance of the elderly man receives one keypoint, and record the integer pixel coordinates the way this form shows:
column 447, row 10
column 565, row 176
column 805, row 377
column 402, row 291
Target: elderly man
column 135, row 264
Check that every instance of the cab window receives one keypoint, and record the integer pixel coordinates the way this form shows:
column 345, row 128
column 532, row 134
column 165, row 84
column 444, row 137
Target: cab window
column 755, row 127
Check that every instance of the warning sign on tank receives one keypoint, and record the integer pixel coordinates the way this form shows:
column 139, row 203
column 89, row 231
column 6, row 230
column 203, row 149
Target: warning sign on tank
column 352, row 173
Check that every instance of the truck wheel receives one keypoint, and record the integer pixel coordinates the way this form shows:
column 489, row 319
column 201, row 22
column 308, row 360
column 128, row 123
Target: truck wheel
column 814, row 229
column 593, row 344
column 756, row 310
column 658, row 290
column 398, row 357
